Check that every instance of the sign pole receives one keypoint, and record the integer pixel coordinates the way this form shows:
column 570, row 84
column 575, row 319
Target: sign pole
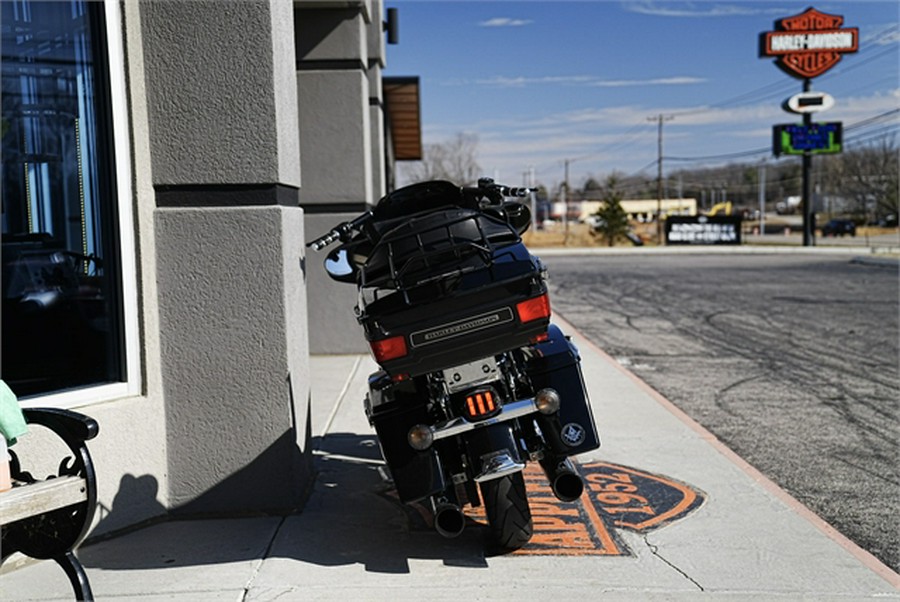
column 805, row 46
column 809, row 213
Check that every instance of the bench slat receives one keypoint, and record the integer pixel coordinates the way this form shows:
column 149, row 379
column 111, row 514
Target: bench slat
column 38, row 498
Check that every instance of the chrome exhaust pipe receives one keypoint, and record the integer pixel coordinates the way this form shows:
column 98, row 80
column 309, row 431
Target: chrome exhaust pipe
column 449, row 519
column 564, row 480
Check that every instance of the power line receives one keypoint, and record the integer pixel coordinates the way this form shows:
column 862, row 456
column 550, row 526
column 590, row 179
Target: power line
column 768, row 91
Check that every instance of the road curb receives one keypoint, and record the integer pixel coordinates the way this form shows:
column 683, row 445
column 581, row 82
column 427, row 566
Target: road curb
column 863, row 252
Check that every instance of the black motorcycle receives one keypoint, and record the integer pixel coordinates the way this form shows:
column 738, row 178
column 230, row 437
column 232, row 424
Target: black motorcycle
column 475, row 381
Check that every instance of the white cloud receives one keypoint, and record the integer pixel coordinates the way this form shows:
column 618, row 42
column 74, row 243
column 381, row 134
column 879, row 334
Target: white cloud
column 882, row 35
column 601, row 139
column 505, row 22
column 503, row 81
column 693, row 9
column 660, row 81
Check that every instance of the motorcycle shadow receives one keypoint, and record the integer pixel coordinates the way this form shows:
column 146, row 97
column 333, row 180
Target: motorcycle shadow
column 354, row 516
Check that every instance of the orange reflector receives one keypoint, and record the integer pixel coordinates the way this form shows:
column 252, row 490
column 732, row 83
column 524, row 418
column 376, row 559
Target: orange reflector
column 534, row 309
column 388, row 349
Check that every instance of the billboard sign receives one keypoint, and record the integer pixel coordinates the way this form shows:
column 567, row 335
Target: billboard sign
column 798, row 138
column 703, row 230
column 809, row 44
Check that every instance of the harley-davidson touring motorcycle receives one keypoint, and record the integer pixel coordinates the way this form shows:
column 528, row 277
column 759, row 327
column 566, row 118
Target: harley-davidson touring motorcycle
column 475, row 381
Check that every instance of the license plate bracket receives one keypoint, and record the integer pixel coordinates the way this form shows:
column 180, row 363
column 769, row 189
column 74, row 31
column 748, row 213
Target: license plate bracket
column 471, row 374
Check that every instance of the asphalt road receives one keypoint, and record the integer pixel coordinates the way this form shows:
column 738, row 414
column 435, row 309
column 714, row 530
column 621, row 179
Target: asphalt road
column 791, row 360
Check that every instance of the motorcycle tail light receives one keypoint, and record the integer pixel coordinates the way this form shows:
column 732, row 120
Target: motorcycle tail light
column 534, row 309
column 388, row 349
column 480, row 405
column 541, row 338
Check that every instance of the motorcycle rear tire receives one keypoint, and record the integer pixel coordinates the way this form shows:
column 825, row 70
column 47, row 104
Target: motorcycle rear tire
column 508, row 514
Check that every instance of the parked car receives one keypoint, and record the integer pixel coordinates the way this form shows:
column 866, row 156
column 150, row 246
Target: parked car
column 839, row 227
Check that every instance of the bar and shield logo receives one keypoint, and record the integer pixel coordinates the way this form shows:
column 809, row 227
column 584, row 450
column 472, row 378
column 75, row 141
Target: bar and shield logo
column 809, row 44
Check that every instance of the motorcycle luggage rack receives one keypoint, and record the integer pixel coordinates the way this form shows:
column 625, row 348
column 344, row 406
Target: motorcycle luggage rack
column 414, row 266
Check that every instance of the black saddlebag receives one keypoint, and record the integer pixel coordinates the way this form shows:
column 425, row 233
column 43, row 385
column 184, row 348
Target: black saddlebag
column 394, row 408
column 555, row 364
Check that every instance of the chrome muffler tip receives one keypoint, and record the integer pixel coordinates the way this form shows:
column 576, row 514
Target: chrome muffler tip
column 565, row 481
column 449, row 519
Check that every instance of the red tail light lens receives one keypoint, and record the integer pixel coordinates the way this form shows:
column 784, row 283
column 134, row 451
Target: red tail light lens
column 388, row 349
column 480, row 405
column 534, row 309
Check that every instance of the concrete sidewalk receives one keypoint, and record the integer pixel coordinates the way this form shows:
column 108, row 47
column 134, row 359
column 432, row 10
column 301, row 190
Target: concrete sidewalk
column 353, row 541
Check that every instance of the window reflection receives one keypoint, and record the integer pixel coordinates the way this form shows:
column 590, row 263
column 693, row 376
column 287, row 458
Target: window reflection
column 59, row 290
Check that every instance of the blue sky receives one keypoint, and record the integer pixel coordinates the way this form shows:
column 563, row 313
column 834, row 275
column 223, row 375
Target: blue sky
column 540, row 82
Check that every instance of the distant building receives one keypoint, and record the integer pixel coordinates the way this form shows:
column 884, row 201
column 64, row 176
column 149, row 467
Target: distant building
column 643, row 210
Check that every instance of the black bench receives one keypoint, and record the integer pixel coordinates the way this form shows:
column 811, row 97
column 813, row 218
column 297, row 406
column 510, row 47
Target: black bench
column 46, row 519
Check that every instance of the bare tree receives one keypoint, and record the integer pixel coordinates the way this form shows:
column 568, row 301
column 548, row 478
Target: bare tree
column 453, row 160
column 869, row 175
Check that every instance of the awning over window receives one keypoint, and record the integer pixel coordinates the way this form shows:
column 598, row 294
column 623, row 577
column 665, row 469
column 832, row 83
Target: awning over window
column 401, row 102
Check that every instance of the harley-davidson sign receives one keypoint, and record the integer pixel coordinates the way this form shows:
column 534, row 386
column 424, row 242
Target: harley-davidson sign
column 809, row 44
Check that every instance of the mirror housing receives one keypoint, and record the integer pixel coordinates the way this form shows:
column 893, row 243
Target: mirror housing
column 518, row 215
column 339, row 266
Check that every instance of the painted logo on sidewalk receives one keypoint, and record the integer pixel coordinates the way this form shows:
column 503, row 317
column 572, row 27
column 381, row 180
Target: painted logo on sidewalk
column 615, row 497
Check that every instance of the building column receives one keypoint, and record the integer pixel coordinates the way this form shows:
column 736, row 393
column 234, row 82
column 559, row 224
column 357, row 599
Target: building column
column 222, row 103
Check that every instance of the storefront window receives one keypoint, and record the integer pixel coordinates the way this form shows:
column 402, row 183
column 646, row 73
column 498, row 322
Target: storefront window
column 62, row 324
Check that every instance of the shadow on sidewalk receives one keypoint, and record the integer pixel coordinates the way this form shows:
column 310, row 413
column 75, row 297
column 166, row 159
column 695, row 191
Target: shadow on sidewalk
column 351, row 517
column 354, row 517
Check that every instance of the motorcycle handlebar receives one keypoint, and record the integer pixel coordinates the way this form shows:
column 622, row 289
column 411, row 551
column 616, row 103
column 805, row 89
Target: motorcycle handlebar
column 342, row 231
column 517, row 192
column 323, row 241
column 487, row 185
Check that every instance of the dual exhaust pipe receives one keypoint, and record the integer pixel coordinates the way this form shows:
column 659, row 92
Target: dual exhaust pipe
column 449, row 519
column 565, row 482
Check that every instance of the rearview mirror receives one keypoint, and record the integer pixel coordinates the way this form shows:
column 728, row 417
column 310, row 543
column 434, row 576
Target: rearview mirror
column 339, row 267
column 519, row 215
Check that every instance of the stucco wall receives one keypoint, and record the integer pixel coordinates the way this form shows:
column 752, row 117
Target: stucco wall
column 236, row 373
column 222, row 98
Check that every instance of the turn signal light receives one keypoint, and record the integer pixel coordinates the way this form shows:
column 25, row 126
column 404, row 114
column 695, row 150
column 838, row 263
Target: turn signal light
column 480, row 405
column 534, row 309
column 388, row 349
column 547, row 401
column 420, row 437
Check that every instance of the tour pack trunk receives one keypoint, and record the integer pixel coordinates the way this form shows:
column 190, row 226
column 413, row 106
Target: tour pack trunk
column 473, row 298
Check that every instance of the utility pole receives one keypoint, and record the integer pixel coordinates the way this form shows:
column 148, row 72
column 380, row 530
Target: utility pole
column 659, row 173
column 565, row 199
column 532, row 195
column 762, row 197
